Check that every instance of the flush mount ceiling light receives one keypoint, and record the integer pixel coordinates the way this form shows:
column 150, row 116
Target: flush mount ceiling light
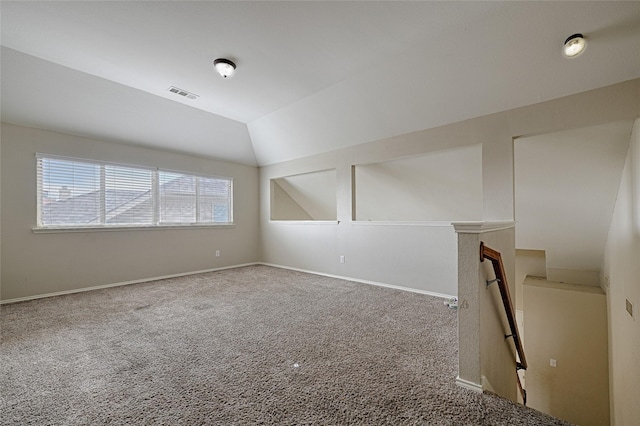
column 574, row 45
column 224, row 67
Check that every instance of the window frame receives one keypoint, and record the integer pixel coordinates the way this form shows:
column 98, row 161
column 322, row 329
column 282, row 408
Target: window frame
column 155, row 199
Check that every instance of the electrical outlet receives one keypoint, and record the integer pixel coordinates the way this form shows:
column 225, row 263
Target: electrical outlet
column 552, row 362
column 217, row 253
column 341, row 259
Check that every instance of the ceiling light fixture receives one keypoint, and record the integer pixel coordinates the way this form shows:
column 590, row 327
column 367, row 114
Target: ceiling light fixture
column 224, row 67
column 574, row 45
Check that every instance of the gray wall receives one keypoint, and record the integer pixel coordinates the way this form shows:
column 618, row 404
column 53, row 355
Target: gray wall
column 36, row 264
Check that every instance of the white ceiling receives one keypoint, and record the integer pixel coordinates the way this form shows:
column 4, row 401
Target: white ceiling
column 312, row 76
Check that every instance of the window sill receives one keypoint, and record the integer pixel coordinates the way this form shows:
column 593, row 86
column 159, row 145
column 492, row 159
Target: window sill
column 304, row 222
column 433, row 223
column 62, row 229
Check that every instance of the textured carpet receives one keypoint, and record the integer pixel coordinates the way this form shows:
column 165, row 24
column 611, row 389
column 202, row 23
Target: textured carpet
column 254, row 345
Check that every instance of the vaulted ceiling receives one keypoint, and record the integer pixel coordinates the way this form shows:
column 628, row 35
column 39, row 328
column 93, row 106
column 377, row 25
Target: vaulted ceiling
column 312, row 76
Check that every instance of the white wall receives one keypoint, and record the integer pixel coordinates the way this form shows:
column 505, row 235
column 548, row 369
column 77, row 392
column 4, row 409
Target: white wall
column 420, row 256
column 439, row 186
column 313, row 193
column 283, row 206
column 415, row 256
column 528, row 262
column 568, row 181
column 0, row 211
column 423, row 257
column 486, row 360
column 36, row 264
column 622, row 282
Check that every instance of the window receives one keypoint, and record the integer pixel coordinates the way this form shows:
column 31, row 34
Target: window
column 84, row 193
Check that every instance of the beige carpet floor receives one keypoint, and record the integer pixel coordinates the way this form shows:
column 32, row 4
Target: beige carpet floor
column 253, row 345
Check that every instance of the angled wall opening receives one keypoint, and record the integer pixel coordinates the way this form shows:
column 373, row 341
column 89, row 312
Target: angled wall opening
column 304, row 197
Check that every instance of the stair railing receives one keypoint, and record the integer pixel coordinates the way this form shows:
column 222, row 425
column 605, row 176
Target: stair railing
column 501, row 280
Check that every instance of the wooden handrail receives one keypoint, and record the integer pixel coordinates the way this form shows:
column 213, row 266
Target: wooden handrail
column 496, row 260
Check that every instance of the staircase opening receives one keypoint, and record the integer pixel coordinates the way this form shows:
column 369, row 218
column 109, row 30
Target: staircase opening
column 565, row 190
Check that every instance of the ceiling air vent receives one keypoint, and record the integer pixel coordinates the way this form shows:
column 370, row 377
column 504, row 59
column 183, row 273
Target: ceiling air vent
column 182, row 92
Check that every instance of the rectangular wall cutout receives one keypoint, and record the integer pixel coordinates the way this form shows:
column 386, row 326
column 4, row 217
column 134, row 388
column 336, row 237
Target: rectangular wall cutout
column 442, row 185
column 309, row 196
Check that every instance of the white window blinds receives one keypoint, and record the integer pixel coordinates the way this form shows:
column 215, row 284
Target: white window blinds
column 85, row 193
column 128, row 195
column 177, row 198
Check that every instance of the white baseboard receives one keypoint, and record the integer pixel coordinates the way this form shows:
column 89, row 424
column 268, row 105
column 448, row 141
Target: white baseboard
column 468, row 385
column 486, row 385
column 358, row 280
column 143, row 280
column 98, row 287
